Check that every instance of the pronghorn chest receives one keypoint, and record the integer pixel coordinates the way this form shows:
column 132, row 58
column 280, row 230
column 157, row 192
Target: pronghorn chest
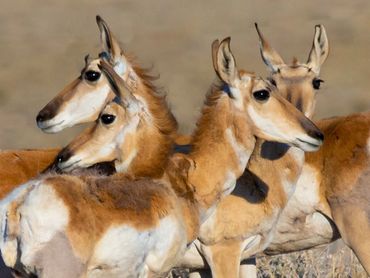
column 256, row 202
column 291, row 171
column 300, row 225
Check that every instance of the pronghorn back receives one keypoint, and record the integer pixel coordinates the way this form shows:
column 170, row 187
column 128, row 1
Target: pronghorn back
column 18, row 166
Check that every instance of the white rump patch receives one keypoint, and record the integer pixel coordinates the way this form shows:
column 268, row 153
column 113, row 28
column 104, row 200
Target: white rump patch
column 121, row 251
column 124, row 251
column 43, row 215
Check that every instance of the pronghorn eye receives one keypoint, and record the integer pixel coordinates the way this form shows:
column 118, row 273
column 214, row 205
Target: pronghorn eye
column 91, row 75
column 261, row 95
column 316, row 83
column 107, row 119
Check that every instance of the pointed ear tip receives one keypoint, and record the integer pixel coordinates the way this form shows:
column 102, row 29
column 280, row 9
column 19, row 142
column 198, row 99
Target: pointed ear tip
column 225, row 42
column 99, row 20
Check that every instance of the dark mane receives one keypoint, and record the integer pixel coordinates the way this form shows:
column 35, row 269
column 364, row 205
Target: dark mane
column 216, row 92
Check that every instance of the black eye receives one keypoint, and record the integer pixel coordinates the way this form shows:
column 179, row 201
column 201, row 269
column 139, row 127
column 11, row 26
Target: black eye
column 91, row 75
column 261, row 95
column 316, row 83
column 107, row 119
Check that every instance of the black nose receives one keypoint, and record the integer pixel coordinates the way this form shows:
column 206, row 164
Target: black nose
column 317, row 135
column 63, row 156
column 44, row 115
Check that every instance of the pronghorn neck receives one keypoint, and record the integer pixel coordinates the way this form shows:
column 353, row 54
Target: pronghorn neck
column 284, row 164
column 145, row 153
column 149, row 154
column 222, row 145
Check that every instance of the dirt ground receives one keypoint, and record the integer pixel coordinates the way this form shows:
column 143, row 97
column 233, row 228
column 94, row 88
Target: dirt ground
column 42, row 44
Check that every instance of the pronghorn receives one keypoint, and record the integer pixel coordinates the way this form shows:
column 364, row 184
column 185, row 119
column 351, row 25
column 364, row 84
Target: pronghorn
column 85, row 97
column 245, row 222
column 117, row 227
column 19, row 166
column 332, row 196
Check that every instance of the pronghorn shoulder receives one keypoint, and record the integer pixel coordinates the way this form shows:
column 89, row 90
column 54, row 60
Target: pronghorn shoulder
column 116, row 199
column 345, row 152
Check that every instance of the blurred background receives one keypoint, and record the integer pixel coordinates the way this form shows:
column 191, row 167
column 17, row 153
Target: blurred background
column 42, row 45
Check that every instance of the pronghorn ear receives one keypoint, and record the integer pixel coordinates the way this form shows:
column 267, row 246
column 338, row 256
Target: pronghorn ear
column 320, row 49
column 269, row 56
column 117, row 84
column 108, row 41
column 215, row 46
column 224, row 61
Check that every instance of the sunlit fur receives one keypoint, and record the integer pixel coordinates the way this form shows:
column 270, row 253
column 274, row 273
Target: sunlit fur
column 245, row 222
column 331, row 192
column 152, row 133
column 155, row 219
column 18, row 166
column 332, row 195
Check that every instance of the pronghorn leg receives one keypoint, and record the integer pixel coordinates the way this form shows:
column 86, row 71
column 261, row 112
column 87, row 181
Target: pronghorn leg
column 223, row 258
column 248, row 268
column 353, row 223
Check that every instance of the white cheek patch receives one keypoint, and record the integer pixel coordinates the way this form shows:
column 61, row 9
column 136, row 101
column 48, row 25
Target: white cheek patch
column 268, row 128
column 88, row 105
column 82, row 109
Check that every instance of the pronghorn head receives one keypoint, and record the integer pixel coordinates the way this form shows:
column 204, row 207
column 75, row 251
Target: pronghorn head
column 297, row 82
column 272, row 117
column 82, row 100
column 113, row 136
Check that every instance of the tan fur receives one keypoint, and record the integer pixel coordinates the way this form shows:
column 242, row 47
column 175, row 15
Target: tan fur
column 96, row 204
column 266, row 186
column 342, row 170
column 345, row 179
column 18, row 166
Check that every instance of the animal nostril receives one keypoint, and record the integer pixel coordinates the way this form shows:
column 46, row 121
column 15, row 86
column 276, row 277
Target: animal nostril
column 39, row 118
column 43, row 115
column 63, row 156
column 318, row 135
